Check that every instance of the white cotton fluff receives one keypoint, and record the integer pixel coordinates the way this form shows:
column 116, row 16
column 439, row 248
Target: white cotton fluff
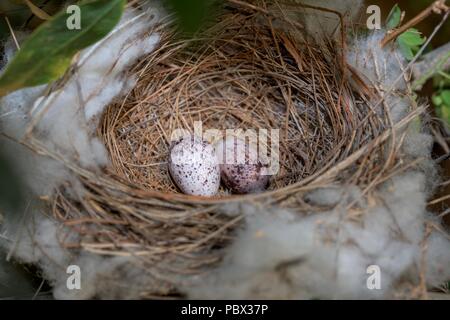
column 326, row 255
column 71, row 114
column 40, row 174
column 277, row 253
column 438, row 258
column 63, row 125
column 382, row 68
column 66, row 123
column 102, row 277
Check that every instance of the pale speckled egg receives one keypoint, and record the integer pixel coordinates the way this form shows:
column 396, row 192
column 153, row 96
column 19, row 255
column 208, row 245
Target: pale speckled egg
column 241, row 170
column 194, row 166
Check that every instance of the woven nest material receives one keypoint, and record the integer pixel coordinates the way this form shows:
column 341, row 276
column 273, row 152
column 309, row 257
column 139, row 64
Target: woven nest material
column 243, row 72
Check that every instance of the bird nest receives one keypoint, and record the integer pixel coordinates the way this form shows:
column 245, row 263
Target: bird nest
column 243, row 72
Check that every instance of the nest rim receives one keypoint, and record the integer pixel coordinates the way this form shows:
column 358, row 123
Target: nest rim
column 290, row 53
column 147, row 223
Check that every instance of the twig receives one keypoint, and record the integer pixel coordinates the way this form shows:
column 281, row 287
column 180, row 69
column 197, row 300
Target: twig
column 38, row 291
column 19, row 232
column 444, row 213
column 435, row 201
column 432, row 63
column 248, row 5
column 12, row 33
column 438, row 7
column 414, row 60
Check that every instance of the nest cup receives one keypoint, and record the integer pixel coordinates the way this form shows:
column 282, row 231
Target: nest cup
column 242, row 73
column 254, row 68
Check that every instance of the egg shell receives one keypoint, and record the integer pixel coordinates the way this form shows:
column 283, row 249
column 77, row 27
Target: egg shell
column 194, row 166
column 241, row 170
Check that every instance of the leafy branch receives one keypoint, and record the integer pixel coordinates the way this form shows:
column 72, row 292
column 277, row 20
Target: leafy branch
column 437, row 7
column 48, row 52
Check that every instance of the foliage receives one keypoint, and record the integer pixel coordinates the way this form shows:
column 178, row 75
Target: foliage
column 409, row 44
column 21, row 17
column 409, row 41
column 394, row 18
column 48, row 52
column 441, row 97
column 193, row 13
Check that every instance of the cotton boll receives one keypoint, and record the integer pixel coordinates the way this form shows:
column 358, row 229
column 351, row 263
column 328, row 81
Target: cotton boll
column 194, row 166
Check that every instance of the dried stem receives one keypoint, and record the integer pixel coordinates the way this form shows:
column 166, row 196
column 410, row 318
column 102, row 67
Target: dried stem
column 11, row 30
column 437, row 7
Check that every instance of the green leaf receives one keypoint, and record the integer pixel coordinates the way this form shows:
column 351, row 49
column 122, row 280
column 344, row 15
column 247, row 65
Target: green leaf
column 48, row 52
column 412, row 37
column 409, row 42
column 445, row 96
column 442, row 102
column 405, row 50
column 394, row 18
column 437, row 100
column 191, row 14
column 443, row 113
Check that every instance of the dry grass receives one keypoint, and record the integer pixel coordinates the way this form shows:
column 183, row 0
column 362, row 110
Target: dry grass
column 241, row 73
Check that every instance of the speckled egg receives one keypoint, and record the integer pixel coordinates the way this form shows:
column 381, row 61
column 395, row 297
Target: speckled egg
column 241, row 170
column 194, row 166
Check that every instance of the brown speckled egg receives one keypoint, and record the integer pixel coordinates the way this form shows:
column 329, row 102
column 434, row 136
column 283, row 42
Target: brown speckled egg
column 194, row 166
column 240, row 169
